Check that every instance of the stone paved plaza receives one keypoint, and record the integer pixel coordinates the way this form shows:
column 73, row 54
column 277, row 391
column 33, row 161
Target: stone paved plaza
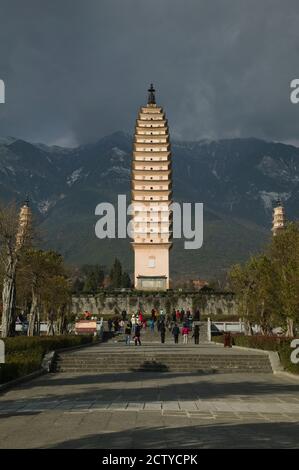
column 151, row 410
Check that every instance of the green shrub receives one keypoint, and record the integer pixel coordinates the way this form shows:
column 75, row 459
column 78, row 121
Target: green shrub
column 23, row 354
column 266, row 343
column 45, row 343
column 19, row 364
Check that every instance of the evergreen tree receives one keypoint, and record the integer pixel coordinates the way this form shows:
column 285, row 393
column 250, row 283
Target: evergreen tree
column 126, row 280
column 116, row 274
column 94, row 278
column 78, row 286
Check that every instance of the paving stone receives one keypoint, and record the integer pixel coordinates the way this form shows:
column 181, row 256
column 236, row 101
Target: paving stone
column 170, row 405
column 135, row 406
column 188, row 405
column 149, row 410
column 153, row 406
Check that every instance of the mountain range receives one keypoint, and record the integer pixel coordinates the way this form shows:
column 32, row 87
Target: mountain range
column 237, row 180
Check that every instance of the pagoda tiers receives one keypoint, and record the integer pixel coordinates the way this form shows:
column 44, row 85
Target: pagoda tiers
column 279, row 220
column 151, row 197
column 24, row 224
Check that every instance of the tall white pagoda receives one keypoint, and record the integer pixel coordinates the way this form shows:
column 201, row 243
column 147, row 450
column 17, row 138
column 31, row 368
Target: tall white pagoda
column 151, row 197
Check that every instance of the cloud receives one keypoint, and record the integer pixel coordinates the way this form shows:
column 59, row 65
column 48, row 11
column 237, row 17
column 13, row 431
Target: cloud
column 75, row 71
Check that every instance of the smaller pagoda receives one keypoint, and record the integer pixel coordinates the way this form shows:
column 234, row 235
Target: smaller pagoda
column 279, row 219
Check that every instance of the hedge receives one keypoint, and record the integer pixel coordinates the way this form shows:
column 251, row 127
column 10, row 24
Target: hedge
column 266, row 343
column 23, row 355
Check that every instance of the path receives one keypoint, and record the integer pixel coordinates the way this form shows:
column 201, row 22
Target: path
column 150, row 410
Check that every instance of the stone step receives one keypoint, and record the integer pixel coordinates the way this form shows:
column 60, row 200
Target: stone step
column 101, row 362
column 162, row 360
column 167, row 369
column 139, row 355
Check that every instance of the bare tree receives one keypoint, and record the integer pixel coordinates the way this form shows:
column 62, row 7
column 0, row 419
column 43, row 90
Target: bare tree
column 14, row 234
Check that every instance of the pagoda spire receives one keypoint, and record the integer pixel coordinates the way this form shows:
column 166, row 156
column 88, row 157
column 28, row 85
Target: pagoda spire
column 151, row 95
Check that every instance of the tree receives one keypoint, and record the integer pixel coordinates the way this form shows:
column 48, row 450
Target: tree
column 126, row 280
column 255, row 288
column 15, row 234
column 78, row 286
column 41, row 267
column 284, row 250
column 116, row 274
column 267, row 286
column 94, row 278
column 56, row 299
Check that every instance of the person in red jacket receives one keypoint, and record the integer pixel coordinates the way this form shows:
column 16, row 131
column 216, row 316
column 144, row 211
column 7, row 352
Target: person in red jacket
column 185, row 333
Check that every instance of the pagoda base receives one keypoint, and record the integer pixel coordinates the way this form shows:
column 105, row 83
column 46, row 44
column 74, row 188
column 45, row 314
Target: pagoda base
column 151, row 283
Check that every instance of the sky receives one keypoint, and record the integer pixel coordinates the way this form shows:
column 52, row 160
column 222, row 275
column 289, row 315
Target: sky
column 77, row 70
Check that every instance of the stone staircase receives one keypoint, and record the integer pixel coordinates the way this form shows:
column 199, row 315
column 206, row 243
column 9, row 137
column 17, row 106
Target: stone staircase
column 177, row 359
column 149, row 337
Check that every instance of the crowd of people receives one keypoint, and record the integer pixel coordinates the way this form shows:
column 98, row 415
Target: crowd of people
column 179, row 322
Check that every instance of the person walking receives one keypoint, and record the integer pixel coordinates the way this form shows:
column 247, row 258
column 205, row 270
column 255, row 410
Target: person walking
column 190, row 319
column 196, row 334
column 116, row 325
column 134, row 323
column 185, row 333
column 110, row 324
column 197, row 315
column 175, row 333
column 137, row 335
column 162, row 332
column 152, row 325
column 121, row 326
column 128, row 332
column 174, row 316
column 182, row 315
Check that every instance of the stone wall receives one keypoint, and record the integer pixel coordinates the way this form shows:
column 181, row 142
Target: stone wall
column 108, row 303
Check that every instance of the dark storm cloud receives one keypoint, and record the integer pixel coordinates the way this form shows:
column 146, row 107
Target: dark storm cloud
column 76, row 70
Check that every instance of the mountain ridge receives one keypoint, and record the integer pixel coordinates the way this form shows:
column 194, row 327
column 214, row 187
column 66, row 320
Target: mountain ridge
column 236, row 179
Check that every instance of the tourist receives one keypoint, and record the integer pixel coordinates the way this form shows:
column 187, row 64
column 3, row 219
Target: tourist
column 121, row 326
column 175, row 333
column 185, row 333
column 196, row 334
column 128, row 331
column 162, row 330
column 153, row 314
column 124, row 315
column 160, row 321
column 110, row 323
column 137, row 335
column 182, row 314
column 134, row 322
column 197, row 315
column 116, row 325
column 168, row 323
column 178, row 316
column 174, row 316
column 140, row 316
column 152, row 325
